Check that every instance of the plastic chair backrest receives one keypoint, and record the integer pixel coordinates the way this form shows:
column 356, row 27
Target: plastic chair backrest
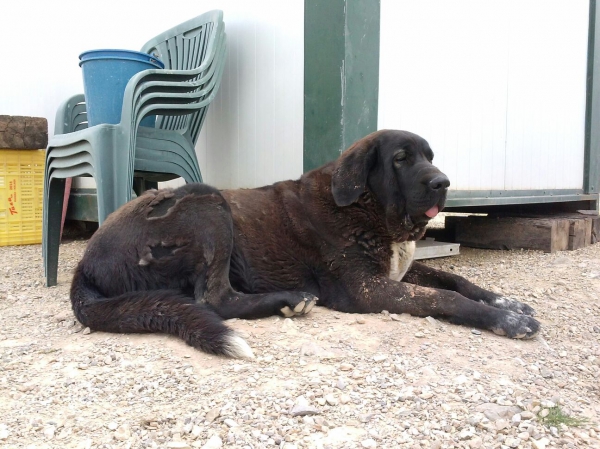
column 184, row 47
column 71, row 115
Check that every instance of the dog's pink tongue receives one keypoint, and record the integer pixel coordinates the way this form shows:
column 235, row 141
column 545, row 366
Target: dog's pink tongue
column 432, row 212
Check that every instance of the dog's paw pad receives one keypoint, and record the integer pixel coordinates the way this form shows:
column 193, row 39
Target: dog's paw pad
column 300, row 307
column 287, row 312
column 304, row 306
column 507, row 303
column 309, row 305
column 515, row 325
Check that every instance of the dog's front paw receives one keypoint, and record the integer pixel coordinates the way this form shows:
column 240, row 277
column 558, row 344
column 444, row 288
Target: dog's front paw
column 515, row 325
column 506, row 303
column 301, row 304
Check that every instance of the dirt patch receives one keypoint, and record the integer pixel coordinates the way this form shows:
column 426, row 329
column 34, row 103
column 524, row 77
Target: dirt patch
column 368, row 380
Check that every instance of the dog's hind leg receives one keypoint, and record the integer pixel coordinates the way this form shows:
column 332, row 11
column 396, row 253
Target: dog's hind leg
column 421, row 274
column 213, row 247
column 229, row 303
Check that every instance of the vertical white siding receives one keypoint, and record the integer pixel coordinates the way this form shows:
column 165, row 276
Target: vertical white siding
column 546, row 101
column 255, row 129
column 253, row 134
column 497, row 88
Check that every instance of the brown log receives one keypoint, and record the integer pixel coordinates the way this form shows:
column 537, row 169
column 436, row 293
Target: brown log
column 548, row 235
column 23, row 133
column 581, row 225
column 595, row 230
column 580, row 233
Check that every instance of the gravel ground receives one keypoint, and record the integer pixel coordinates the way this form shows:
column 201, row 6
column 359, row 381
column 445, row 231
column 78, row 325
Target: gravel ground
column 328, row 380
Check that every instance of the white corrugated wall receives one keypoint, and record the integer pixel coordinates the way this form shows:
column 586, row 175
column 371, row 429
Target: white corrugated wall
column 497, row 87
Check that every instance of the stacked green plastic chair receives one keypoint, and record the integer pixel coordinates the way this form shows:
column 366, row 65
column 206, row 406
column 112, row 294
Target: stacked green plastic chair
column 194, row 56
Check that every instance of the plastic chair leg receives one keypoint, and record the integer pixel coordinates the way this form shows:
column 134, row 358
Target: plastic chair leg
column 138, row 185
column 149, row 185
column 113, row 187
column 53, row 217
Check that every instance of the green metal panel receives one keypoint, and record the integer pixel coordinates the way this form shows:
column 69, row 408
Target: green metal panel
column 323, row 60
column 361, row 69
column 460, row 198
column 591, row 178
column 341, row 76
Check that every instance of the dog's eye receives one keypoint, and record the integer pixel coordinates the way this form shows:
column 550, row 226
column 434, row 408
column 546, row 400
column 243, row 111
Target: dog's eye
column 400, row 156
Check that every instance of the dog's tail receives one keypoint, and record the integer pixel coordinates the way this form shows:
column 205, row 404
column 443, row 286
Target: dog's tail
column 166, row 311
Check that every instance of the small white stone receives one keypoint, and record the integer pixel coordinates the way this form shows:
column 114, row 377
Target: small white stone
column 475, row 443
column 214, row 442
column 331, row 399
column 501, row 424
column 465, row 434
column 213, row 414
column 540, row 444
column 524, row 436
column 49, row 432
column 122, row 433
column 512, row 442
column 462, row 379
column 230, row 423
column 178, row 445
column 368, row 443
column 432, row 321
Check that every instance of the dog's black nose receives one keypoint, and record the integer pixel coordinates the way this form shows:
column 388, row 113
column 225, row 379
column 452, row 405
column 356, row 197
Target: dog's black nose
column 441, row 181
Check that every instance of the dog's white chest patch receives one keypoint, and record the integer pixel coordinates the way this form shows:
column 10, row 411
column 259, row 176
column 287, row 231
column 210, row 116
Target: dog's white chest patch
column 402, row 258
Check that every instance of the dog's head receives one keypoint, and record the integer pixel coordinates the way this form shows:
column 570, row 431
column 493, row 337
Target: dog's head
column 395, row 166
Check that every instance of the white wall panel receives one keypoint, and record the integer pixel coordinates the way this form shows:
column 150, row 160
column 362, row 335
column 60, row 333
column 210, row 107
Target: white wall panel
column 255, row 128
column 477, row 81
column 253, row 131
column 546, row 94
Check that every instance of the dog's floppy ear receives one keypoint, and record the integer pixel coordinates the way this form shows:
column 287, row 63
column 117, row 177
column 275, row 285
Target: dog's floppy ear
column 349, row 177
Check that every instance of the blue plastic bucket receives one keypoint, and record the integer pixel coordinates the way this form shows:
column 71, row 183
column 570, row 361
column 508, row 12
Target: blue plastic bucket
column 105, row 76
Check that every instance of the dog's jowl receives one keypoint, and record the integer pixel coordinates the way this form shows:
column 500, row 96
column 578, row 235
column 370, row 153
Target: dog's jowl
column 180, row 261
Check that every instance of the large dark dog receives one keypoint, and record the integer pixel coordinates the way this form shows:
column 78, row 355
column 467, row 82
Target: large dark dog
column 179, row 261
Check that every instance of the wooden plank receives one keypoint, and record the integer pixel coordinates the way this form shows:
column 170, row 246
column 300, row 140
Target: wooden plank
column 595, row 225
column 581, row 224
column 23, row 133
column 580, row 232
column 595, row 230
column 547, row 235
